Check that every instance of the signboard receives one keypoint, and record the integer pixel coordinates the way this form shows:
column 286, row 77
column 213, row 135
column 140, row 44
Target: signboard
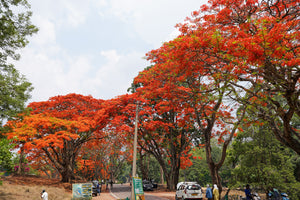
column 138, row 189
column 81, row 190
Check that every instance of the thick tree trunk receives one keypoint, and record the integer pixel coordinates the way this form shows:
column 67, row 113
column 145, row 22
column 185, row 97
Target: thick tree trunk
column 213, row 169
column 63, row 162
column 21, row 170
column 171, row 175
column 216, row 179
column 143, row 168
column 161, row 175
column 67, row 174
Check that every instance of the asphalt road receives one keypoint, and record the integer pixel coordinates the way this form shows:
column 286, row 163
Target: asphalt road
column 124, row 191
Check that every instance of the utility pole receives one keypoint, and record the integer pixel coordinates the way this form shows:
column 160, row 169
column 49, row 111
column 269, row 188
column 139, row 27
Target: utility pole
column 134, row 151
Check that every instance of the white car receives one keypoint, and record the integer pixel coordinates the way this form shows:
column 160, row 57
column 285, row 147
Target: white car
column 188, row 190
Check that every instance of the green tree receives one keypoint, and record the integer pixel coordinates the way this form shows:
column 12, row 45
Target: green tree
column 199, row 171
column 261, row 161
column 6, row 162
column 15, row 26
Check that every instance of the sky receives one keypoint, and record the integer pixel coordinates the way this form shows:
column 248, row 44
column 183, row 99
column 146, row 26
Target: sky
column 96, row 47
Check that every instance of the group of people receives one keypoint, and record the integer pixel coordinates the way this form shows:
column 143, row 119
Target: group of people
column 212, row 193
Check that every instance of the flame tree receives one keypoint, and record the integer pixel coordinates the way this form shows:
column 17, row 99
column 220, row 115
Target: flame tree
column 58, row 128
column 232, row 56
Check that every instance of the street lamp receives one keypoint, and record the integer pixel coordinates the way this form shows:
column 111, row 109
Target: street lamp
column 134, row 151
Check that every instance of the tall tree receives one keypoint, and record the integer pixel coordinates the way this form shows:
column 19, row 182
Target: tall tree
column 58, row 128
column 230, row 52
column 6, row 162
column 15, row 27
column 263, row 162
column 183, row 80
column 158, row 134
column 259, row 42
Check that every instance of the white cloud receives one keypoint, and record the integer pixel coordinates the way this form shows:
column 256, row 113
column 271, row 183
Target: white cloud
column 46, row 33
column 54, row 69
column 154, row 20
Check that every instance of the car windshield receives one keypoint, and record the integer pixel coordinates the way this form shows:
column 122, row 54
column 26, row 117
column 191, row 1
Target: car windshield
column 194, row 187
column 146, row 182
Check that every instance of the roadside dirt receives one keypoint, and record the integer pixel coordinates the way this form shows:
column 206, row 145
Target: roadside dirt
column 30, row 187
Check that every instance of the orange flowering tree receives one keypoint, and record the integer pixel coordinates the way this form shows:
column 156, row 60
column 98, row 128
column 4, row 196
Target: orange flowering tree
column 232, row 56
column 259, row 42
column 189, row 104
column 157, row 132
column 58, row 128
column 103, row 159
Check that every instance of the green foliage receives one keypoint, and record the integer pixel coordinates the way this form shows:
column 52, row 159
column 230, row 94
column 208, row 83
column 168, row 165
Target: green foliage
column 6, row 161
column 261, row 161
column 15, row 26
column 151, row 168
column 199, row 171
column 13, row 94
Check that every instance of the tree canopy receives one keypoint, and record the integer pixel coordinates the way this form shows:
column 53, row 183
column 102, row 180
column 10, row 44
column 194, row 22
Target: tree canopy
column 15, row 27
column 56, row 130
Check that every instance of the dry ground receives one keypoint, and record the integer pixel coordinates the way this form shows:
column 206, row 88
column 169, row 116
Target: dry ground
column 29, row 188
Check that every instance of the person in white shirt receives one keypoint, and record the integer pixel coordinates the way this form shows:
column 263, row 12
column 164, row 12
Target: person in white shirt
column 44, row 195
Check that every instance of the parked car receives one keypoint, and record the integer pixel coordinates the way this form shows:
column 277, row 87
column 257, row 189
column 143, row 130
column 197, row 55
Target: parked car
column 188, row 190
column 147, row 185
column 154, row 184
column 96, row 188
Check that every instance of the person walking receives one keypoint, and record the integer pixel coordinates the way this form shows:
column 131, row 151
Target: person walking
column 44, row 195
column 248, row 192
column 216, row 192
column 276, row 194
column 208, row 194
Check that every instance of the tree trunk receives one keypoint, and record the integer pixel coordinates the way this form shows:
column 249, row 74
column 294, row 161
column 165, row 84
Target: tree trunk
column 213, row 168
column 21, row 170
column 216, row 179
column 143, row 168
column 67, row 174
column 171, row 176
column 161, row 175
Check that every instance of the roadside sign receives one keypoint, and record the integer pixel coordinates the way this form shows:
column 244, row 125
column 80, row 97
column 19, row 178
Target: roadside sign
column 138, row 189
column 81, row 190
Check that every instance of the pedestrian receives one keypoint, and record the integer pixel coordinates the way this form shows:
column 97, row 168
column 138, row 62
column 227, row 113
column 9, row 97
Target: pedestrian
column 248, row 192
column 216, row 192
column 226, row 195
column 208, row 194
column 111, row 184
column 270, row 194
column 98, row 188
column 276, row 194
column 44, row 195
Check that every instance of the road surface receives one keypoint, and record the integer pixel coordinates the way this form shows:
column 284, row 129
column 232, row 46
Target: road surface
column 124, row 191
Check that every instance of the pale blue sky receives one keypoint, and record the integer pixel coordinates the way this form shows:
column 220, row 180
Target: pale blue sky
column 96, row 47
